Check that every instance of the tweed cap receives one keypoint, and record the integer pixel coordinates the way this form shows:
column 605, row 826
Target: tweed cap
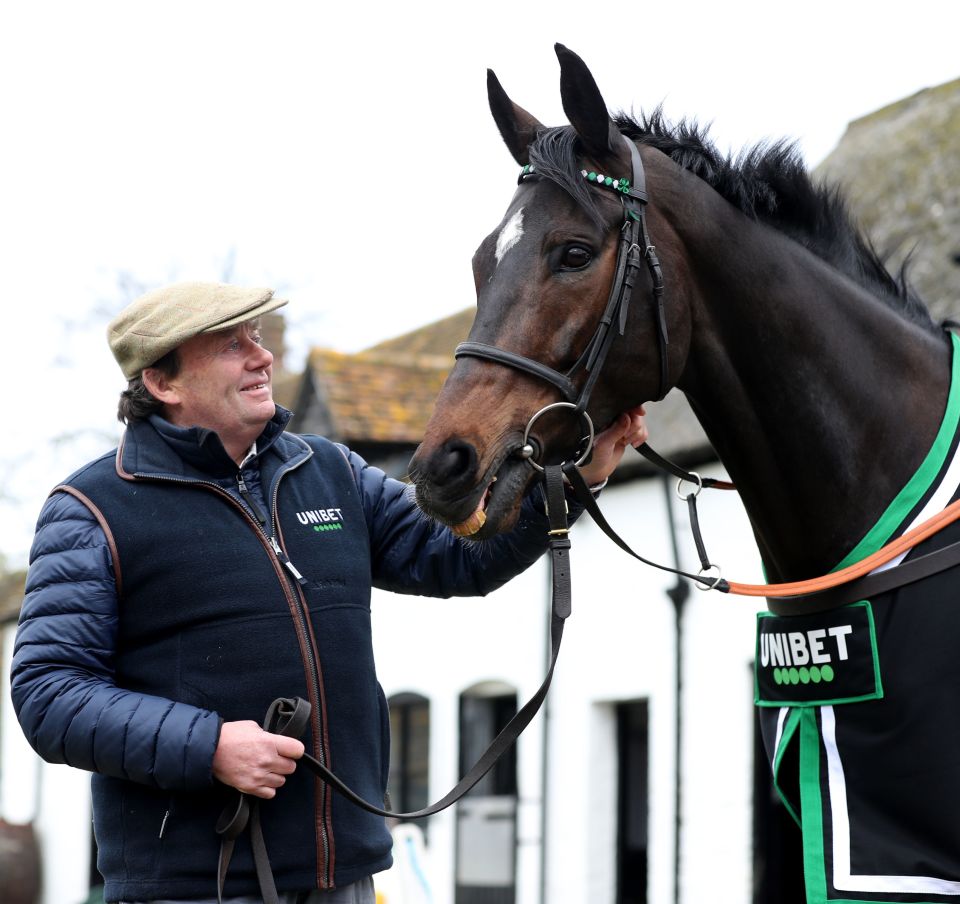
column 160, row 321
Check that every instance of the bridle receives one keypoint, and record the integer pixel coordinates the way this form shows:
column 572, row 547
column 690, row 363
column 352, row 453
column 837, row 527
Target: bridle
column 633, row 250
column 634, row 247
column 806, row 596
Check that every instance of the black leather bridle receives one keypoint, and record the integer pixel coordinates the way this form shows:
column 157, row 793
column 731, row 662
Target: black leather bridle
column 634, row 248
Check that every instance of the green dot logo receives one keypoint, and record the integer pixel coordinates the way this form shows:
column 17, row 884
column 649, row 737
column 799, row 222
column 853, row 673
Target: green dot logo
column 815, row 676
column 794, row 676
column 777, row 676
column 827, row 673
column 804, row 675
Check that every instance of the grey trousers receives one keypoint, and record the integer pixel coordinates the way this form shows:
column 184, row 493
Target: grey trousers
column 360, row 892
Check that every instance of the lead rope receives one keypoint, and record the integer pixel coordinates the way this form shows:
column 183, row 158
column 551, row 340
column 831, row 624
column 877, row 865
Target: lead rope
column 286, row 718
column 585, row 498
column 799, row 597
column 290, row 716
column 692, row 477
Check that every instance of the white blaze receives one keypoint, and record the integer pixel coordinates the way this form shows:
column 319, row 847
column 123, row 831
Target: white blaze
column 510, row 234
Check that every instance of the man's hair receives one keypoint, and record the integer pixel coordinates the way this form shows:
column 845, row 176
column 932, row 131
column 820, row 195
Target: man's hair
column 136, row 401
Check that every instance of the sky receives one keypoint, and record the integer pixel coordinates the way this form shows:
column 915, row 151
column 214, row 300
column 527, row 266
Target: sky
column 345, row 156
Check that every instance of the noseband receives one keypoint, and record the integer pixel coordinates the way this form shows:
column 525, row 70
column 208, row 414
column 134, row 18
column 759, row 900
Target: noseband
column 634, row 245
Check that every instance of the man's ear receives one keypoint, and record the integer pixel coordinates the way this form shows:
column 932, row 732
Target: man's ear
column 160, row 386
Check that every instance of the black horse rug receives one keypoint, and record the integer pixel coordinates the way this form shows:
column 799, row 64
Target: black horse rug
column 860, row 716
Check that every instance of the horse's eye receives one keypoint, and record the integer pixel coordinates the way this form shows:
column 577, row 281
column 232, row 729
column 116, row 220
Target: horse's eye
column 575, row 257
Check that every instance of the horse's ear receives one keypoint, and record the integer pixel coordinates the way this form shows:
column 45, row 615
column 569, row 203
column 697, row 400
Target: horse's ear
column 517, row 127
column 584, row 105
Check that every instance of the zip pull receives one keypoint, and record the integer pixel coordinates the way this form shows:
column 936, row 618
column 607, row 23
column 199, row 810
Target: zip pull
column 282, row 556
column 248, row 498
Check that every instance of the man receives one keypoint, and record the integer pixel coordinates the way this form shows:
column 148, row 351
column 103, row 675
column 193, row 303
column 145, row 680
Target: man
column 175, row 591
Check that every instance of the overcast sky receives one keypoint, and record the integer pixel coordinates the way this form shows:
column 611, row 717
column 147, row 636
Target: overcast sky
column 344, row 155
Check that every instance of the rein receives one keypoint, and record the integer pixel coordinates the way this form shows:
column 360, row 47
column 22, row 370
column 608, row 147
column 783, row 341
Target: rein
column 291, row 716
column 818, row 594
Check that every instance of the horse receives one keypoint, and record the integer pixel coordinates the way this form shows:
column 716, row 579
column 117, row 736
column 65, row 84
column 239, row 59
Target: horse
column 822, row 382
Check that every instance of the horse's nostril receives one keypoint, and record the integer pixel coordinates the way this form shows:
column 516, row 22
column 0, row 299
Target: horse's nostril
column 456, row 459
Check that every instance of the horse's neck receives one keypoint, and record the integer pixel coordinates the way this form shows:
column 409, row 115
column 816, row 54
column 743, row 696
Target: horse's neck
column 820, row 400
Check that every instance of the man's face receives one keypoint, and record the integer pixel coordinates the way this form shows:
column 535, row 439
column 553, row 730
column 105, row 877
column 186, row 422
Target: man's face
column 224, row 385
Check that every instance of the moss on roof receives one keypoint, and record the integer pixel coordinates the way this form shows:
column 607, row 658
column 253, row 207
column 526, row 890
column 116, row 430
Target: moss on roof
column 377, row 398
column 438, row 338
column 899, row 169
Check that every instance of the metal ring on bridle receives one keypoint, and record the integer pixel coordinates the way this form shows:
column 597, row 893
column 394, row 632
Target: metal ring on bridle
column 583, row 416
column 692, row 477
column 701, row 586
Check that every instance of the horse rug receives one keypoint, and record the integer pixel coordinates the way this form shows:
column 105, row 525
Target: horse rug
column 860, row 713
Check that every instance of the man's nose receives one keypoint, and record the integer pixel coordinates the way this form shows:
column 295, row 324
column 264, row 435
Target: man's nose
column 261, row 358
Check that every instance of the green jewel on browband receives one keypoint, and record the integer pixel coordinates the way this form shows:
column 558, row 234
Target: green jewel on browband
column 620, row 185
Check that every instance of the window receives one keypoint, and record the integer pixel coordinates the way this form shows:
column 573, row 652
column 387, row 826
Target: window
column 482, row 718
column 409, row 782
column 487, row 816
column 633, row 802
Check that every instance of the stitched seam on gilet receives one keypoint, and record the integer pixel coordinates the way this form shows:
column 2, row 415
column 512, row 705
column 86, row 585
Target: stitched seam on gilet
column 353, row 480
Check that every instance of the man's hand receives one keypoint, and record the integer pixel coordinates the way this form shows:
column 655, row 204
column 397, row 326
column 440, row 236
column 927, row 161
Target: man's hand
column 630, row 429
column 253, row 760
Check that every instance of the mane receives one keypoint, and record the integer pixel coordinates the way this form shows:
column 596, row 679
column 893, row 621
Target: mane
column 767, row 182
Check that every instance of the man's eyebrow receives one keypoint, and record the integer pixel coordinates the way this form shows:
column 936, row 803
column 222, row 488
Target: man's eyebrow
column 252, row 326
column 221, row 335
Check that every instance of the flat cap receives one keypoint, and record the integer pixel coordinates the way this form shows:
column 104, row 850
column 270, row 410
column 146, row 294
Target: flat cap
column 160, row 321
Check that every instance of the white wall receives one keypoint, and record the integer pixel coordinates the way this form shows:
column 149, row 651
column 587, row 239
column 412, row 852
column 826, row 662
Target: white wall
column 439, row 648
column 618, row 646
